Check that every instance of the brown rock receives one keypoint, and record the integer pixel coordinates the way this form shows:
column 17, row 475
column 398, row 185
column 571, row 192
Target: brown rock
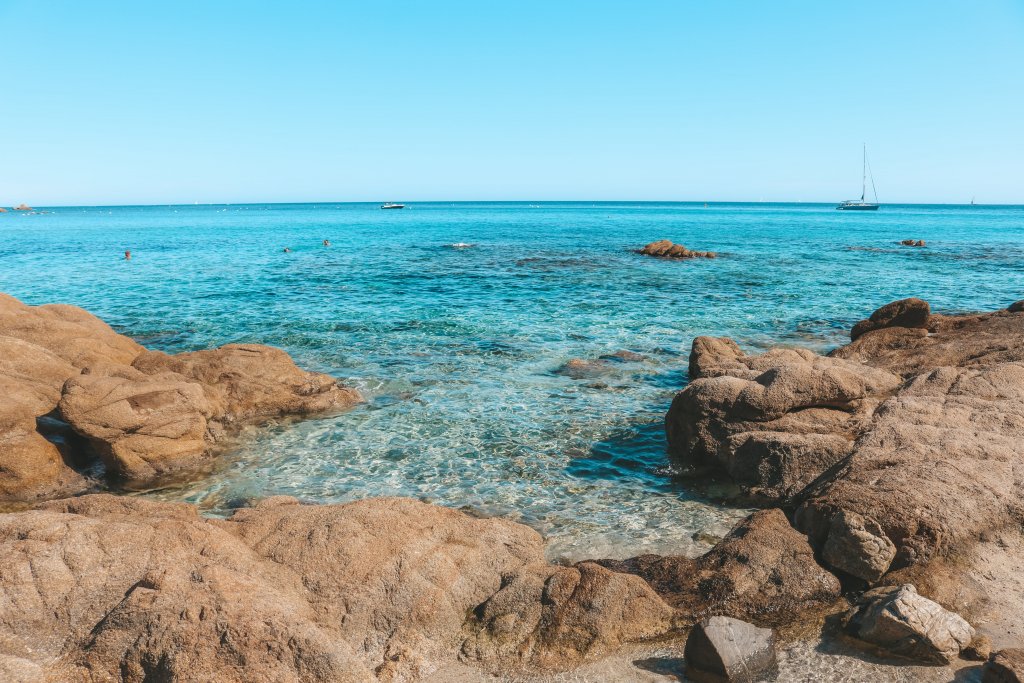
column 579, row 368
column 764, row 571
column 23, row 207
column 899, row 620
column 1016, row 307
column 913, row 243
column 114, row 588
column 1005, row 666
column 145, row 427
column 979, row 649
column 147, row 414
column 666, row 249
column 774, row 422
column 858, row 546
column 912, row 313
column 555, row 617
column 248, row 382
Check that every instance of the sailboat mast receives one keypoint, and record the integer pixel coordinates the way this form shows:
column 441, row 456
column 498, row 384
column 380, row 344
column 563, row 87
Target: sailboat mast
column 864, row 174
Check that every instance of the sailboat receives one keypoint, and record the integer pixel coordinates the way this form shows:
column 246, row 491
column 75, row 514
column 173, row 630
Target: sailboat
column 861, row 205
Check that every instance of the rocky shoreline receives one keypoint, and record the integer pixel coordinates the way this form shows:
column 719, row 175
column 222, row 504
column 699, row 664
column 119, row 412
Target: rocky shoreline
column 890, row 473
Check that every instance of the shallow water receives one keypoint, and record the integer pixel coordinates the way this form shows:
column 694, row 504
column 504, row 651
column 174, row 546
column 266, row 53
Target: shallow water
column 456, row 347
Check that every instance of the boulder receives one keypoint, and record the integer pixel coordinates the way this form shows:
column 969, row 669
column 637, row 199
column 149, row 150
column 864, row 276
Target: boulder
column 912, row 313
column 763, row 571
column 246, row 383
column 858, row 546
column 913, row 243
column 725, row 650
column 902, row 622
column 23, row 207
column 118, row 588
column 1004, row 666
column 774, row 422
column 1016, row 307
column 666, row 249
column 148, row 415
column 145, row 427
column 549, row 617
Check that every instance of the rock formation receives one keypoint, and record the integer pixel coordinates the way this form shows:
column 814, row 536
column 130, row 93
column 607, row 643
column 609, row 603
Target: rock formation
column 763, row 571
column 899, row 448
column 103, row 587
column 147, row 415
column 1005, row 666
column 913, row 243
column 666, row 249
column 23, row 207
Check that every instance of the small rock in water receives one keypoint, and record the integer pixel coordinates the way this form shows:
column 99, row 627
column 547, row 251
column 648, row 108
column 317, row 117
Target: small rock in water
column 913, row 243
column 578, row 368
column 898, row 619
column 666, row 249
column 726, row 649
column 1005, row 666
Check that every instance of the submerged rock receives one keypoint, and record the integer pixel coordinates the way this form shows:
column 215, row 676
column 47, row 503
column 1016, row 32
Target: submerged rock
column 899, row 620
column 725, row 650
column 666, row 249
column 146, row 414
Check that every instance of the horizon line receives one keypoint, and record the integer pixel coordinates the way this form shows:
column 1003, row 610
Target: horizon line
column 11, row 208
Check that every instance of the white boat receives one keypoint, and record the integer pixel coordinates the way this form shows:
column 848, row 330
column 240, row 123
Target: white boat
column 860, row 204
column 392, row 205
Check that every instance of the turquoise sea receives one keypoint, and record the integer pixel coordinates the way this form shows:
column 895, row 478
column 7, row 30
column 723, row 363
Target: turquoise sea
column 456, row 347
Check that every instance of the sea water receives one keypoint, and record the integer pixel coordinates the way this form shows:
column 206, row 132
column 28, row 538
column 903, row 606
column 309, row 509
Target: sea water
column 453, row 319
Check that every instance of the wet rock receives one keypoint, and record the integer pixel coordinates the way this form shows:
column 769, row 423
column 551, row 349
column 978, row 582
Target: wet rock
column 549, row 617
column 913, row 243
column 762, row 571
column 666, row 249
column 1004, row 666
column 1016, row 307
column 625, row 356
column 858, row 546
column 721, row 649
column 912, row 313
column 899, row 620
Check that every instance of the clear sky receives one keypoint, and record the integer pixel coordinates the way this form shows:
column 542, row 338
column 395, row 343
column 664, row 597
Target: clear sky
column 146, row 102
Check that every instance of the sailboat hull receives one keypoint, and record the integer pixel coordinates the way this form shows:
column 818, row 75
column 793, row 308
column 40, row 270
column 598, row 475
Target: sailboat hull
column 857, row 207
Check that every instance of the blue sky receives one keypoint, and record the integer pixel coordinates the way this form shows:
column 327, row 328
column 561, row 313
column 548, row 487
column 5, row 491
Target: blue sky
column 138, row 102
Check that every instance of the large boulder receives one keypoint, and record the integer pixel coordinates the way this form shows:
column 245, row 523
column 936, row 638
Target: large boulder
column 775, row 421
column 725, row 650
column 113, row 588
column 145, row 427
column 937, row 468
column 148, row 415
column 913, row 313
column 249, row 382
column 549, row 617
column 763, row 571
column 899, row 620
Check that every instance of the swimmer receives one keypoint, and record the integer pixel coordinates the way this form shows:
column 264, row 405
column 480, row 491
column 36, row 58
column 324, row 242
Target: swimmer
column 127, row 256
column 287, row 250
column 327, row 243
